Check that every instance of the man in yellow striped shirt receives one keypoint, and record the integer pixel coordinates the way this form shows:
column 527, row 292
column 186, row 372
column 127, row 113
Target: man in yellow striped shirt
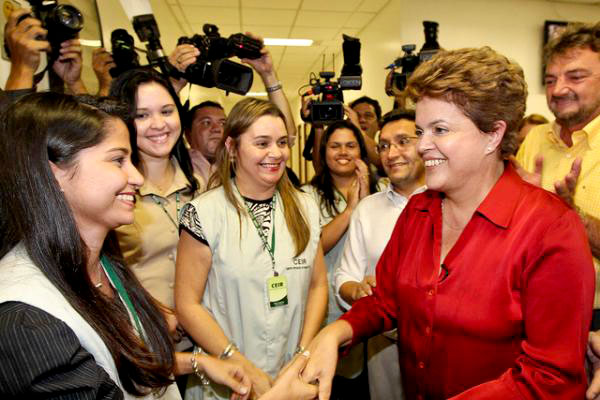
column 564, row 155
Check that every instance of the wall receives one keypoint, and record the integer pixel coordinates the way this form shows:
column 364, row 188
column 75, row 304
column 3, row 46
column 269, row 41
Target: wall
column 512, row 27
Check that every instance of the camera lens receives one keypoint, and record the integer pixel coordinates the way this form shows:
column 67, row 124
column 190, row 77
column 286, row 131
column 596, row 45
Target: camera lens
column 69, row 17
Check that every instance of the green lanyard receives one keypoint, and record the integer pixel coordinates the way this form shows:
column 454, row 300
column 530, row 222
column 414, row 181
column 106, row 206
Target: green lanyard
column 270, row 249
column 177, row 207
column 116, row 281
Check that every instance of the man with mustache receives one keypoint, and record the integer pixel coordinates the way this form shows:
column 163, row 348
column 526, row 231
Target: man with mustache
column 564, row 156
column 204, row 132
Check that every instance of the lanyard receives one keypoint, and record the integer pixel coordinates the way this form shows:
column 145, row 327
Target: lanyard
column 270, row 249
column 177, row 206
column 116, row 281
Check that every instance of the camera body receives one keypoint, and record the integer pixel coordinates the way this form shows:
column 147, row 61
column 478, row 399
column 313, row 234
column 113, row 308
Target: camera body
column 62, row 21
column 123, row 52
column 410, row 61
column 213, row 69
column 147, row 30
column 330, row 107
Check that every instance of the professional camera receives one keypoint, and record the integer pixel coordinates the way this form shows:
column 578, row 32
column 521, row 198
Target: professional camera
column 147, row 30
column 123, row 52
column 62, row 21
column 409, row 61
column 213, row 69
column 330, row 107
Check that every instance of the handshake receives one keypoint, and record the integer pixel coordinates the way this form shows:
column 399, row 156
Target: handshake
column 249, row 382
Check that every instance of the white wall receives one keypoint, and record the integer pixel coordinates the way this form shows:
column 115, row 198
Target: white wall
column 512, row 27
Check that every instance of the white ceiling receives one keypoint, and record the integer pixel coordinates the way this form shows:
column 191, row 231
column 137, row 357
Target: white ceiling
column 322, row 21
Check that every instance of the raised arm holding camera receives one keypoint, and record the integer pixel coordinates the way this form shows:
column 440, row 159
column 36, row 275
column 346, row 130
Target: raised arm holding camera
column 102, row 64
column 24, row 48
column 27, row 39
column 265, row 69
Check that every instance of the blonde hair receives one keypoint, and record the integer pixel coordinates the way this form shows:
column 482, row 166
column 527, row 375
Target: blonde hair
column 485, row 85
column 242, row 116
column 533, row 119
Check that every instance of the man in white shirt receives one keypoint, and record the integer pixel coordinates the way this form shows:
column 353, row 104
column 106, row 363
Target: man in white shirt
column 370, row 229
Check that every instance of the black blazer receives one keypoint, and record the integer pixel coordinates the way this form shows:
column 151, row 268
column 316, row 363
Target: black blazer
column 41, row 358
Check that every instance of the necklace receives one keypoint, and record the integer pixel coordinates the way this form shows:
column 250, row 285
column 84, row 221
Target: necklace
column 269, row 248
column 263, row 237
column 448, row 224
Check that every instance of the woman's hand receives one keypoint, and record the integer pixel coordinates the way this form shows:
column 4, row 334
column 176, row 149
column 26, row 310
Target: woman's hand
column 361, row 289
column 289, row 386
column 228, row 373
column 353, row 195
column 323, row 357
column 261, row 382
column 362, row 173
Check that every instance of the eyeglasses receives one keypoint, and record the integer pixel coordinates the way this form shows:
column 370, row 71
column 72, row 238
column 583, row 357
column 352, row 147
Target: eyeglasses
column 402, row 143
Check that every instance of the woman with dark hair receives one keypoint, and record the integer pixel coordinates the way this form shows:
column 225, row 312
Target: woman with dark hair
column 342, row 181
column 251, row 283
column 149, row 245
column 74, row 321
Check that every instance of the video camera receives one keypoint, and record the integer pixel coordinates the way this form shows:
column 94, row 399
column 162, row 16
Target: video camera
column 330, row 107
column 123, row 52
column 62, row 21
column 147, row 30
column 409, row 61
column 213, row 69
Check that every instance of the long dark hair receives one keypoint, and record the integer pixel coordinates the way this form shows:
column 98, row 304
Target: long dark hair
column 323, row 181
column 50, row 127
column 125, row 89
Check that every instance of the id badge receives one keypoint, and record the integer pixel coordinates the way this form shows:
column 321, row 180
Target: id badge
column 277, row 290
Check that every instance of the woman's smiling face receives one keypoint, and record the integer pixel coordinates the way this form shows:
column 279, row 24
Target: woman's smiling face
column 452, row 147
column 341, row 151
column 157, row 121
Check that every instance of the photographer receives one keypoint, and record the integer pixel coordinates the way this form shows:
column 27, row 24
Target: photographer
column 368, row 112
column 103, row 62
column 23, row 41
